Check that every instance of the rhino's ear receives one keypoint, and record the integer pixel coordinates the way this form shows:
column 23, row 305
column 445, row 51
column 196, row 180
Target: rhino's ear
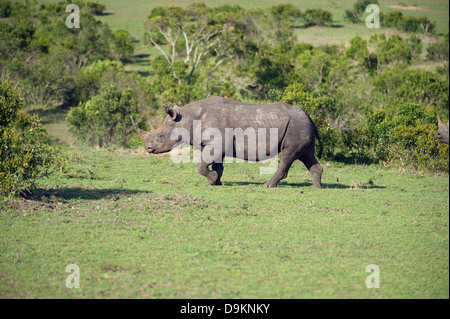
column 173, row 112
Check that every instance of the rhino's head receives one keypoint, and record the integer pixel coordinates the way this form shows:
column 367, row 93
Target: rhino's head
column 158, row 140
column 442, row 132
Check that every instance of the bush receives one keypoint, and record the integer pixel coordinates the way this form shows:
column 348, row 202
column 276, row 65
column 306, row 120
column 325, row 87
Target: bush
column 408, row 139
column 359, row 8
column 352, row 147
column 400, row 86
column 351, row 17
column 26, row 154
column 104, row 120
column 317, row 17
column 123, row 45
column 318, row 109
column 396, row 19
column 93, row 77
column 439, row 51
column 45, row 58
column 95, row 7
column 391, row 19
column 5, row 9
column 89, row 6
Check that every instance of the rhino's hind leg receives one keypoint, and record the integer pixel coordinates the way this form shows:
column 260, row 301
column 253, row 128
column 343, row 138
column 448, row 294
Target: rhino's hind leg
column 314, row 168
column 218, row 167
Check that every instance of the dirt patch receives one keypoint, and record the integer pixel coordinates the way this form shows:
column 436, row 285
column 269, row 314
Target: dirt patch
column 26, row 206
column 409, row 8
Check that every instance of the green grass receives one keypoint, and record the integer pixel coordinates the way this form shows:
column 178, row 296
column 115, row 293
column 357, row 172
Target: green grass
column 53, row 120
column 142, row 226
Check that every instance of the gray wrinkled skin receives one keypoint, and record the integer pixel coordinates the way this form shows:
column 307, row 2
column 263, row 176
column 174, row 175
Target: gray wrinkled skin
column 442, row 132
column 296, row 134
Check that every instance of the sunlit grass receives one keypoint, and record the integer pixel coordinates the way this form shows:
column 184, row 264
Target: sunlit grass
column 142, row 226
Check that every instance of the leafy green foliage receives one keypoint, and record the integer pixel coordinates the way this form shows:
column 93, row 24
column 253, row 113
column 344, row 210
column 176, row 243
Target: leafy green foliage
column 318, row 17
column 400, row 86
column 123, row 45
column 318, row 109
column 393, row 50
column 91, row 7
column 26, row 154
column 409, row 138
column 396, row 19
column 439, row 50
column 44, row 57
column 5, row 9
column 104, row 120
column 359, row 7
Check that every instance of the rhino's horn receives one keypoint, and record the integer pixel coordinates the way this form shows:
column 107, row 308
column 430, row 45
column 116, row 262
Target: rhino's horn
column 439, row 120
column 141, row 133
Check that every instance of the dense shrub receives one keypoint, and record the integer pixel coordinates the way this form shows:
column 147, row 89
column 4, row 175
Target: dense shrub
column 392, row 19
column 400, row 86
column 26, row 154
column 104, row 120
column 123, row 46
column 94, row 76
column 350, row 16
column 318, row 109
column 396, row 19
column 359, row 8
column 439, row 50
column 318, row 17
column 95, row 7
column 5, row 9
column 45, row 58
column 60, row 7
column 408, row 139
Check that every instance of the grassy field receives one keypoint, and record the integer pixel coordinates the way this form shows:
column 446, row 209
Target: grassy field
column 141, row 226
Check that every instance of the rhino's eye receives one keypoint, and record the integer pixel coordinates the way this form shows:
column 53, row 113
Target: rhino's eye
column 161, row 135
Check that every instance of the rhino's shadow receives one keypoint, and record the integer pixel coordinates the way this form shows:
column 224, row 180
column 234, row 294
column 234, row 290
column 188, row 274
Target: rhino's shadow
column 68, row 193
column 307, row 184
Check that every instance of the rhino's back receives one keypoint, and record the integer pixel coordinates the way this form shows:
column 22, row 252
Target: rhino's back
column 222, row 112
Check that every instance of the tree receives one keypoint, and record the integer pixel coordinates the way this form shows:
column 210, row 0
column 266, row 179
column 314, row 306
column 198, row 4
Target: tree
column 400, row 86
column 408, row 138
column 359, row 8
column 105, row 119
column 45, row 58
column 193, row 33
column 439, row 50
column 123, row 45
column 318, row 17
column 391, row 50
column 318, row 109
column 26, row 154
column 358, row 50
column 286, row 12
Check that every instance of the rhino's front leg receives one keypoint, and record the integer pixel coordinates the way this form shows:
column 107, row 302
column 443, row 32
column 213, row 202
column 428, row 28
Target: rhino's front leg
column 212, row 176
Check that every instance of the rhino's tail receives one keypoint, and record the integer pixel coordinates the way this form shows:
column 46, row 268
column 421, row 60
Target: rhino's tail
column 316, row 133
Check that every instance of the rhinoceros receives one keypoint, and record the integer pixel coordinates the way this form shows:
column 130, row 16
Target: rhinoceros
column 293, row 135
column 442, row 132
